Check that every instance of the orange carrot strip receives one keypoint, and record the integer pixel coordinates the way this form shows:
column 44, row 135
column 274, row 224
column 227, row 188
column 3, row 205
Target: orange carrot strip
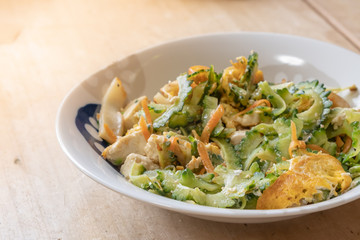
column 211, row 124
column 205, row 157
column 175, row 148
column 104, row 153
column 202, row 171
column 347, row 144
column 147, row 112
column 109, row 132
column 196, row 68
column 295, row 143
column 293, row 132
column 255, row 104
column 316, row 148
column 179, row 168
column 259, row 76
column 174, row 145
column 194, row 133
column 338, row 101
column 339, row 143
column 198, row 78
column 193, row 85
column 144, row 128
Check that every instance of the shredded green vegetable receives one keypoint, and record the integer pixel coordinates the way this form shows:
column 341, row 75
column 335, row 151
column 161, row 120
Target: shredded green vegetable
column 251, row 142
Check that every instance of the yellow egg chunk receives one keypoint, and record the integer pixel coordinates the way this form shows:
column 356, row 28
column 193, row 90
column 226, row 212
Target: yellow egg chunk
column 311, row 178
column 111, row 122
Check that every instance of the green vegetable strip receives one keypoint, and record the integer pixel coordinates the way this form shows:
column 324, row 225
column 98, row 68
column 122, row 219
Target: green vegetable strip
column 248, row 77
column 198, row 94
column 314, row 113
column 355, row 151
column 251, row 68
column 210, row 104
column 275, row 100
column 184, row 91
column 231, row 159
column 240, row 93
column 256, row 162
column 251, row 158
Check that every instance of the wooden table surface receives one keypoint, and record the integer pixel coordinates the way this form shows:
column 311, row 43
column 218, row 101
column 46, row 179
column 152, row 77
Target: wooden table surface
column 47, row 47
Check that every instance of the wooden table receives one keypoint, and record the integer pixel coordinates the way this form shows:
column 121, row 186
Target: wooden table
column 47, row 47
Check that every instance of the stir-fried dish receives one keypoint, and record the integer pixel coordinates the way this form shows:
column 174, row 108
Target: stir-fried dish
column 234, row 140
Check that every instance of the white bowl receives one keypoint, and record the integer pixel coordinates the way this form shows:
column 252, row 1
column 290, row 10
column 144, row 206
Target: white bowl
column 280, row 56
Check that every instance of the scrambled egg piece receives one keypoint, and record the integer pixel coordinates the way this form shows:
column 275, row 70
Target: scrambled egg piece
column 168, row 93
column 235, row 71
column 311, row 178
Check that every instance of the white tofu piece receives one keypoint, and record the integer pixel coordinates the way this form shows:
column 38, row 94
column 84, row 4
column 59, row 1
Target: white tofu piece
column 248, row 120
column 152, row 145
column 237, row 136
column 194, row 163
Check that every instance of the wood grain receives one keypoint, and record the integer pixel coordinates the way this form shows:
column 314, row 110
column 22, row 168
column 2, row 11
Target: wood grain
column 47, row 47
column 339, row 14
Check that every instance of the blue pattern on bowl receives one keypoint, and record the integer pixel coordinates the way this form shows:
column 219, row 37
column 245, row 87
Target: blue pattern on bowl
column 86, row 120
column 83, row 118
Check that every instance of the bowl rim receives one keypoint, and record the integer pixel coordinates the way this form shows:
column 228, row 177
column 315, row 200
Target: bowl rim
column 193, row 209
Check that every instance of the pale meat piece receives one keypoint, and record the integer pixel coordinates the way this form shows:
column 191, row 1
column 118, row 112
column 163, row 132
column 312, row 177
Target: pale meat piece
column 237, row 136
column 247, row 120
column 130, row 113
column 151, row 148
column 232, row 119
column 155, row 142
column 131, row 143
